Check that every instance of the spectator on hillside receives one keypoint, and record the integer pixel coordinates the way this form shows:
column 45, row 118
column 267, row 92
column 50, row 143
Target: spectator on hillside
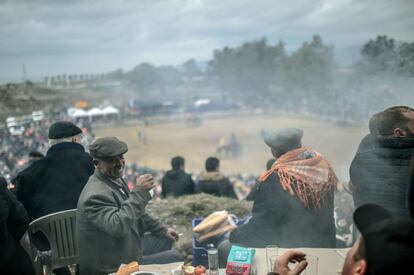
column 176, row 181
column 213, row 182
column 294, row 205
column 111, row 220
column 33, row 157
column 381, row 174
column 385, row 247
column 13, row 224
column 55, row 182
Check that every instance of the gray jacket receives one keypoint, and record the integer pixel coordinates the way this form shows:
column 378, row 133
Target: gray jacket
column 110, row 223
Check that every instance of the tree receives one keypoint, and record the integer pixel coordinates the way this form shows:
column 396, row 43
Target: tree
column 247, row 71
column 379, row 55
column 310, row 68
column 190, row 68
column 143, row 77
column 406, row 58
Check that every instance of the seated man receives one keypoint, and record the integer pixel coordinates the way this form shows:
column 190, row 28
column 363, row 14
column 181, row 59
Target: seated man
column 213, row 182
column 111, row 220
column 176, row 181
column 386, row 246
column 293, row 206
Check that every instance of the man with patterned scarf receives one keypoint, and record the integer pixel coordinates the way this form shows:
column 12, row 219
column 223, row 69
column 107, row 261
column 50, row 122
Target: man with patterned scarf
column 294, row 206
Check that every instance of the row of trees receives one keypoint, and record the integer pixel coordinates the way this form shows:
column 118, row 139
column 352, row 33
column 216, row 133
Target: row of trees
column 259, row 73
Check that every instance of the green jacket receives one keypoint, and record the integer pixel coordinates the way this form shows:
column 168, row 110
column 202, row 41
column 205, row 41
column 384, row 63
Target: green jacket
column 110, row 223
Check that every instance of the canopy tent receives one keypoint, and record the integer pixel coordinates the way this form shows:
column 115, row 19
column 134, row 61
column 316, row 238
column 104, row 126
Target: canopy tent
column 78, row 113
column 110, row 110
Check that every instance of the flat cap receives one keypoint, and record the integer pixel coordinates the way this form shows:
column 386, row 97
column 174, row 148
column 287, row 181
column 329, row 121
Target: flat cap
column 63, row 129
column 282, row 137
column 107, row 147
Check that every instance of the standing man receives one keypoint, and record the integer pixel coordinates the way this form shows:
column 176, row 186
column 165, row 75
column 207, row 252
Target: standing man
column 294, row 204
column 381, row 173
column 54, row 183
column 111, row 220
column 177, row 182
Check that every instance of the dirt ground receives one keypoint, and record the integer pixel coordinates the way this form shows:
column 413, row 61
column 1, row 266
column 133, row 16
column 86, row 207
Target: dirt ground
column 195, row 144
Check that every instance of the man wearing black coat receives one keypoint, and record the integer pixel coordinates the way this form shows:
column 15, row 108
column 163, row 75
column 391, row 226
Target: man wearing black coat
column 294, row 204
column 176, row 181
column 55, row 182
column 13, row 224
column 381, row 174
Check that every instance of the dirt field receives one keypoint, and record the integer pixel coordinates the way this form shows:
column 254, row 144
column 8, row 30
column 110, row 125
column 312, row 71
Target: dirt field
column 166, row 140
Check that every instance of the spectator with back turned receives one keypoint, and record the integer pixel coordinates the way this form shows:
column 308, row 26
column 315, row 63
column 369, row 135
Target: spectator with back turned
column 294, row 204
column 176, row 181
column 213, row 182
column 54, row 183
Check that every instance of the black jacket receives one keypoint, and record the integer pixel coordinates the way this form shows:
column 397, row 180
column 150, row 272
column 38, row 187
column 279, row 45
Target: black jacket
column 13, row 224
column 282, row 219
column 381, row 175
column 55, row 182
column 216, row 184
column 177, row 183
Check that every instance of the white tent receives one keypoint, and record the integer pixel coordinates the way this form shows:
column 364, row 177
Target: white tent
column 95, row 112
column 110, row 110
column 201, row 102
column 79, row 113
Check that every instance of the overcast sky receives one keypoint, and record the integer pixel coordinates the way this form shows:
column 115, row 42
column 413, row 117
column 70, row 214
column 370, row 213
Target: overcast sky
column 53, row 37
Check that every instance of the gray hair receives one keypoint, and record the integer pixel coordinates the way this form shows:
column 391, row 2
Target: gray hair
column 61, row 140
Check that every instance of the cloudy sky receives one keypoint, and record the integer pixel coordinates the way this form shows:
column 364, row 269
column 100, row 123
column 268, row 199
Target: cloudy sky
column 59, row 36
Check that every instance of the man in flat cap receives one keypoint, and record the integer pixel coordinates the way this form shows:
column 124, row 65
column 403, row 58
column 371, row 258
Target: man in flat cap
column 293, row 206
column 111, row 220
column 55, row 182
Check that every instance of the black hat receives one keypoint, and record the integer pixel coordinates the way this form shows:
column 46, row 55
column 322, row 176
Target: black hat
column 107, row 147
column 63, row 129
column 389, row 241
column 283, row 137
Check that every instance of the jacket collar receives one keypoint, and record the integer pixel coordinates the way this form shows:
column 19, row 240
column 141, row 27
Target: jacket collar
column 397, row 143
column 65, row 146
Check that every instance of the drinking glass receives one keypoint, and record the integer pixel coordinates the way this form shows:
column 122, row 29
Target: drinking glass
column 213, row 261
column 271, row 254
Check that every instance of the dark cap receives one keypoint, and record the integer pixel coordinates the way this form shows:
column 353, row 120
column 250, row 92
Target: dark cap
column 389, row 241
column 283, row 137
column 107, row 147
column 63, row 129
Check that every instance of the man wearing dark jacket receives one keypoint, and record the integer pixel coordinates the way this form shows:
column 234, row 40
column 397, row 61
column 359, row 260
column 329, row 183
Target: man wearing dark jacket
column 112, row 223
column 13, row 224
column 213, row 182
column 381, row 174
column 294, row 204
column 176, row 182
column 55, row 182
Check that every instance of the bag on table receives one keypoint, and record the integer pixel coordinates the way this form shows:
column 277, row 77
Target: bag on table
column 216, row 224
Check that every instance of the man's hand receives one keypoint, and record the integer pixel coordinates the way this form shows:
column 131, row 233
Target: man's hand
column 146, row 181
column 171, row 234
column 291, row 256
